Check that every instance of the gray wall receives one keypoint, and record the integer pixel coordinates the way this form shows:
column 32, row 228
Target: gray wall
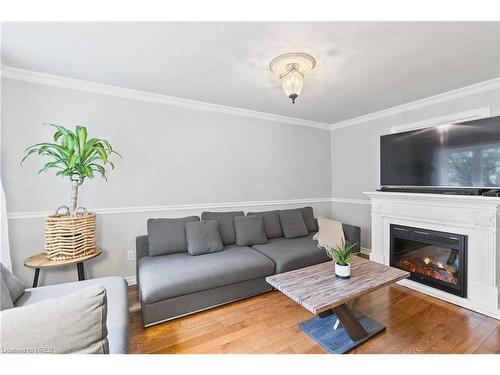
column 172, row 156
column 355, row 155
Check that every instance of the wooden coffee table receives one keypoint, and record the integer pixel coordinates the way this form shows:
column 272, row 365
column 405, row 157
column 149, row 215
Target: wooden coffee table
column 337, row 328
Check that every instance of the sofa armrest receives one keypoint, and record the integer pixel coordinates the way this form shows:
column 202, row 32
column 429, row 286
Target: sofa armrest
column 141, row 251
column 141, row 247
column 352, row 234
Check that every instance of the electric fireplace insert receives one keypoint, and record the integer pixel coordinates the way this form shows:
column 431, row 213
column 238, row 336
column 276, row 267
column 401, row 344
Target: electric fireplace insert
column 433, row 258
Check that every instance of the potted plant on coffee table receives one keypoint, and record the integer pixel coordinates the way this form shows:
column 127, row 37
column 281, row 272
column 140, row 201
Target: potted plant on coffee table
column 77, row 157
column 342, row 255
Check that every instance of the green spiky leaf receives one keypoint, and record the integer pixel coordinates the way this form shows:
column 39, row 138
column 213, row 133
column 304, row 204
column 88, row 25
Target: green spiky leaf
column 73, row 154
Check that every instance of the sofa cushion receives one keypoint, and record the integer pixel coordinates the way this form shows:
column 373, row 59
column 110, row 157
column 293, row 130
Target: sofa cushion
column 249, row 230
column 168, row 236
column 271, row 223
column 14, row 284
column 74, row 323
column 175, row 275
column 117, row 306
column 292, row 223
column 308, row 215
column 203, row 237
column 291, row 254
column 5, row 299
column 226, row 225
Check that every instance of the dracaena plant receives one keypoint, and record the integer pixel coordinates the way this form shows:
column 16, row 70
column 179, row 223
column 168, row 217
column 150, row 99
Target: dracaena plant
column 341, row 254
column 74, row 156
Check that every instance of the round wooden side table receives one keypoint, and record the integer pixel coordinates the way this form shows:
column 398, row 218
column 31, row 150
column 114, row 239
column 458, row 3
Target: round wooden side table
column 40, row 260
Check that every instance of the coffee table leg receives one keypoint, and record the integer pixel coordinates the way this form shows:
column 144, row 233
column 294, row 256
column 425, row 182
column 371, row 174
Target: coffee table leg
column 35, row 279
column 352, row 305
column 340, row 330
column 350, row 323
column 81, row 271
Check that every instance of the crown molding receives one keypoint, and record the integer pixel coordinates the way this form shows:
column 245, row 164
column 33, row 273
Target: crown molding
column 176, row 208
column 492, row 84
column 122, row 92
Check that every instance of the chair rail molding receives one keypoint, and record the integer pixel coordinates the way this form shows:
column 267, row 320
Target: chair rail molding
column 176, row 208
column 351, row 201
column 122, row 92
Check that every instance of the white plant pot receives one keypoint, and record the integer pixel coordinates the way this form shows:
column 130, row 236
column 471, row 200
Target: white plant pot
column 343, row 272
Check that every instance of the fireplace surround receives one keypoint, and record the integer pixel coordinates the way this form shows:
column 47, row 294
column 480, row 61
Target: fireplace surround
column 437, row 259
column 476, row 217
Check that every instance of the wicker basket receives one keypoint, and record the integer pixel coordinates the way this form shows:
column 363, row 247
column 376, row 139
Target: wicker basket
column 69, row 237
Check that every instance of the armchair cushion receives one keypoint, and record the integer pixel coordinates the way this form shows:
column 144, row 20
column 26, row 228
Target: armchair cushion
column 15, row 286
column 75, row 323
column 5, row 300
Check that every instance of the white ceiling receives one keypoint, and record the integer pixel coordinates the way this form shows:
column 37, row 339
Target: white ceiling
column 361, row 67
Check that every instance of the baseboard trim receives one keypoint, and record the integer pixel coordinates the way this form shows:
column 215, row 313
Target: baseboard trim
column 366, row 251
column 131, row 280
column 181, row 207
column 462, row 302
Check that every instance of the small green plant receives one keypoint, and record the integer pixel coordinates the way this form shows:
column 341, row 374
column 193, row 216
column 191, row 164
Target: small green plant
column 342, row 254
column 75, row 156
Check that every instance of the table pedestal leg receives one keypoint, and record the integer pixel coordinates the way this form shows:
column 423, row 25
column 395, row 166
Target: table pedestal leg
column 81, row 271
column 354, row 329
column 350, row 323
column 35, row 279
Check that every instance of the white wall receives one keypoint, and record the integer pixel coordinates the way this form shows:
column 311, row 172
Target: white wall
column 356, row 155
column 171, row 156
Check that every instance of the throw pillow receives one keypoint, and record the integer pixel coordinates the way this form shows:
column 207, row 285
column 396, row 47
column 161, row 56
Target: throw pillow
column 5, row 300
column 75, row 323
column 292, row 223
column 330, row 233
column 308, row 215
column 271, row 223
column 15, row 286
column 250, row 230
column 203, row 237
column 168, row 236
column 226, row 225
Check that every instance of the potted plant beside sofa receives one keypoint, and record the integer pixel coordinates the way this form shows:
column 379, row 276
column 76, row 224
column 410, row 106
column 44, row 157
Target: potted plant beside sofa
column 75, row 156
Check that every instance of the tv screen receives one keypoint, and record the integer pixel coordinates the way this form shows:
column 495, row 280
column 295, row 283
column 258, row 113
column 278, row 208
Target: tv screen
column 451, row 155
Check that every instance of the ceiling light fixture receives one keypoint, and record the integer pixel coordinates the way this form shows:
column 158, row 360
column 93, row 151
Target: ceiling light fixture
column 291, row 68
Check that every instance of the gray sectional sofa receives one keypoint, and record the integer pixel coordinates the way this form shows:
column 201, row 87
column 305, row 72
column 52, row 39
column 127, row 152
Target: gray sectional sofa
column 175, row 279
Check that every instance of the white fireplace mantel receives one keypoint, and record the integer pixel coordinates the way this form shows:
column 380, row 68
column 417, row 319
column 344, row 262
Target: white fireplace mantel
column 474, row 216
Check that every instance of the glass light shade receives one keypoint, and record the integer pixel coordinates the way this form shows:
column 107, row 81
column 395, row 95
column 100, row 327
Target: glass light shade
column 293, row 82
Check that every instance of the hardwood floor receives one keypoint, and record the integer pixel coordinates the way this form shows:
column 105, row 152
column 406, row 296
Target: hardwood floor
column 268, row 323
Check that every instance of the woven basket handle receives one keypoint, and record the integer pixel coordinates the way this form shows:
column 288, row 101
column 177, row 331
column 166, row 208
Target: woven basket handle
column 81, row 211
column 65, row 208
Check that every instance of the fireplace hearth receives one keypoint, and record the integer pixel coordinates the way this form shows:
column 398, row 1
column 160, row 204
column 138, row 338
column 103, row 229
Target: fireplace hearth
column 433, row 258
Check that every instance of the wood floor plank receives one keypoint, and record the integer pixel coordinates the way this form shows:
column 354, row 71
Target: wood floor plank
column 268, row 323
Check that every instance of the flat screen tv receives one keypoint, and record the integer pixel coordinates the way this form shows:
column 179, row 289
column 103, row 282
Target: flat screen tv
column 464, row 155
